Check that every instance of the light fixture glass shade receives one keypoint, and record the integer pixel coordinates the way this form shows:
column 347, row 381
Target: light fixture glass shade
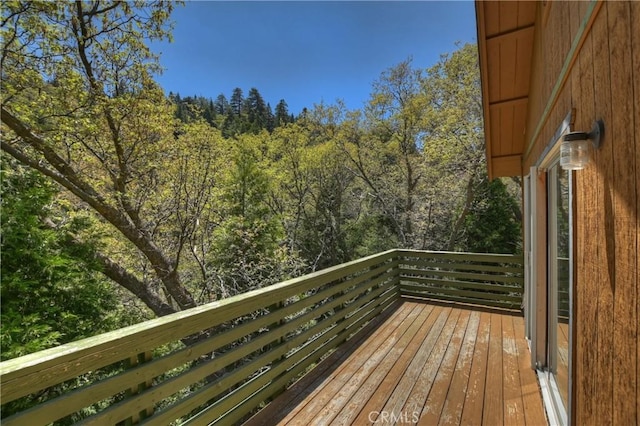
column 575, row 154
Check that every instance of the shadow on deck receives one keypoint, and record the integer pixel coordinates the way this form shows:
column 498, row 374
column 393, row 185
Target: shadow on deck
column 419, row 363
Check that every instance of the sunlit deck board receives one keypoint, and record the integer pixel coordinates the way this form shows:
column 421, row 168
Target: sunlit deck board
column 431, row 363
column 513, row 407
column 492, row 412
column 452, row 410
column 533, row 409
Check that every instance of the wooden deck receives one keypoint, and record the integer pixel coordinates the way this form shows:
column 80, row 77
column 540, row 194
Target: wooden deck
column 420, row 363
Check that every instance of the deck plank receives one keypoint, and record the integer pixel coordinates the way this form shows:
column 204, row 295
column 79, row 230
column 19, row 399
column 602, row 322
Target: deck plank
column 424, row 382
column 452, row 410
column 400, row 394
column 493, row 406
column 435, row 401
column 513, row 408
column 397, row 396
column 422, row 363
column 474, row 401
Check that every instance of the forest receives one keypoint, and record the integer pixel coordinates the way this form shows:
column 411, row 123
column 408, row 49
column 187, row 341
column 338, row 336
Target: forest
column 121, row 202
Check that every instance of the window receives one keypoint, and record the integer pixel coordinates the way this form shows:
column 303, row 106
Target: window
column 548, row 276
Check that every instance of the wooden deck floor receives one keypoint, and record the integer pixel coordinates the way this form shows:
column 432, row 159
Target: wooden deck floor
column 424, row 364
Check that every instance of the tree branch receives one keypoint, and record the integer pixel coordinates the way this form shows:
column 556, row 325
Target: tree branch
column 66, row 176
column 129, row 281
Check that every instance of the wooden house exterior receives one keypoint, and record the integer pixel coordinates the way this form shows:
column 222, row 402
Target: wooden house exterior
column 549, row 68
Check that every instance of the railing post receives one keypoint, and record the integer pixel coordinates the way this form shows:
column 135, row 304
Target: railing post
column 399, row 272
column 272, row 308
column 134, row 361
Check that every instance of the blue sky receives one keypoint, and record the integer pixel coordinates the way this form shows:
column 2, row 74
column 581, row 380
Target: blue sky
column 305, row 52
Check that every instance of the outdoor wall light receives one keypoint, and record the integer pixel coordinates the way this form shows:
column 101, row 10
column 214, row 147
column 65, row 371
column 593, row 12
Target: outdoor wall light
column 575, row 151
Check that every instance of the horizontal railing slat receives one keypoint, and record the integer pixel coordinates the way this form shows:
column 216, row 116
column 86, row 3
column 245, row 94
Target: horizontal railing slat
column 462, row 284
column 465, row 300
column 473, row 257
column 498, row 269
column 464, row 275
column 461, row 293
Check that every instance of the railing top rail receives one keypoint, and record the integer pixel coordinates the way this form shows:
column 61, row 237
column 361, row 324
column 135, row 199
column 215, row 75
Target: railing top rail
column 460, row 253
column 188, row 320
column 488, row 256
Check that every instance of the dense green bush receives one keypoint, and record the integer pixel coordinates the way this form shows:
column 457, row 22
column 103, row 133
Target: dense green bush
column 51, row 291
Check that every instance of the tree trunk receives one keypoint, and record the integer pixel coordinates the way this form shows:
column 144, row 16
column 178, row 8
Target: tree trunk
column 408, row 208
column 463, row 215
column 121, row 276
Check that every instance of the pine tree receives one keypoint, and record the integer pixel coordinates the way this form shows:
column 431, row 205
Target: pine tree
column 271, row 119
column 282, row 114
column 221, row 104
column 237, row 101
column 256, row 110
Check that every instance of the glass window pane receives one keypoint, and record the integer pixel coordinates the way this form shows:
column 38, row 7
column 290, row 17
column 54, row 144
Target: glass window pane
column 562, row 285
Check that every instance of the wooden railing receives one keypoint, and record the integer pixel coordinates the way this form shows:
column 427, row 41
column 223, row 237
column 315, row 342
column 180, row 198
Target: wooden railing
column 218, row 363
column 243, row 351
column 494, row 280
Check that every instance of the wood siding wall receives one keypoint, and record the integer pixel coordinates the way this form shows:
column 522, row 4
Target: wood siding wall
column 601, row 80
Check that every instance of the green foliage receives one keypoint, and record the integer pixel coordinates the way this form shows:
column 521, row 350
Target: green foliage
column 247, row 250
column 282, row 115
column 194, row 199
column 91, row 117
column 371, row 235
column 453, row 147
column 51, row 292
column 492, row 225
column 189, row 109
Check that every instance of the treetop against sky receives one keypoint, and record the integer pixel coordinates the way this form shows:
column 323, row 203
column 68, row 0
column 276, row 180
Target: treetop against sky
column 305, row 52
